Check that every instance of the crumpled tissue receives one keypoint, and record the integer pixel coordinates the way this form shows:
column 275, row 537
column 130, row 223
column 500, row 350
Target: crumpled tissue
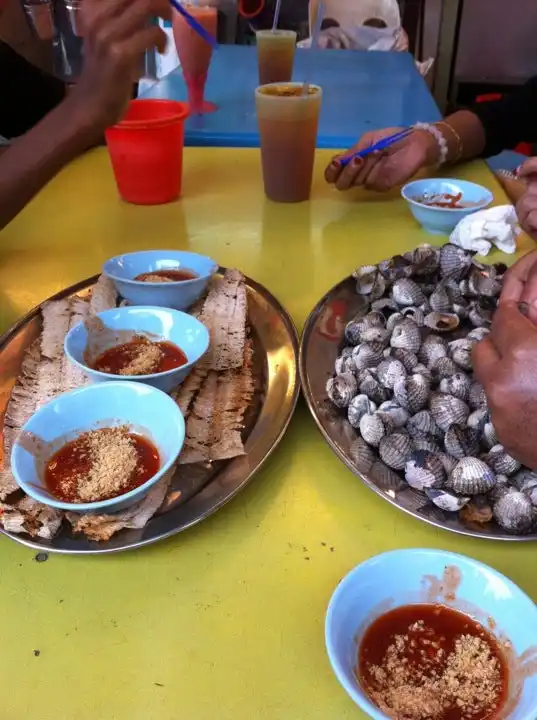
column 495, row 226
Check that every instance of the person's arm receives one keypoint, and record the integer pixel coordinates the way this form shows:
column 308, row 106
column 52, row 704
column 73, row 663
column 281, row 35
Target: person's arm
column 34, row 159
column 28, row 94
column 116, row 38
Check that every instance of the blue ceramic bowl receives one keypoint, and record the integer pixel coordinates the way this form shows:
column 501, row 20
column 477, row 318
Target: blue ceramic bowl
column 146, row 410
column 178, row 295
column 441, row 221
column 399, row 578
column 158, row 323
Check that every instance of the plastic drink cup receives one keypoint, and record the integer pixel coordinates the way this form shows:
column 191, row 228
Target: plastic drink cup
column 275, row 55
column 288, row 122
column 146, row 150
column 195, row 54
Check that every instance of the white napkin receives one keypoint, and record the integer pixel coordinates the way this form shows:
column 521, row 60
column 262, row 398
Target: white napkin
column 495, row 226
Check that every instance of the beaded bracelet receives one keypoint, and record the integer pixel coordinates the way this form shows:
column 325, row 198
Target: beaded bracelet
column 440, row 139
column 457, row 138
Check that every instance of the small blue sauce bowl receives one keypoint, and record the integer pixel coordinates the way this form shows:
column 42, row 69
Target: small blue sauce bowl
column 180, row 295
column 147, row 411
column 122, row 324
column 405, row 577
column 441, row 221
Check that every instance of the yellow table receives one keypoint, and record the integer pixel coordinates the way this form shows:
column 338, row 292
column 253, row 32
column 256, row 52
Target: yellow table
column 225, row 621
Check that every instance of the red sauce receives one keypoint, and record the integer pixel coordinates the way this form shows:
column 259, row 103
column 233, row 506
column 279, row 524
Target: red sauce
column 70, row 466
column 117, row 359
column 425, row 637
column 171, row 275
column 445, row 200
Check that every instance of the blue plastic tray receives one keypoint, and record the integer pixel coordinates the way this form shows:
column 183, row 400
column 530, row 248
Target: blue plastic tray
column 361, row 91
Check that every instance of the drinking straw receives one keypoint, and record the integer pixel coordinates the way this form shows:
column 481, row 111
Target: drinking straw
column 314, row 43
column 194, row 24
column 276, row 15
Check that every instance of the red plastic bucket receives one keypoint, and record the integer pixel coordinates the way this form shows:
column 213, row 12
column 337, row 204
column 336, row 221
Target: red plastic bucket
column 146, row 150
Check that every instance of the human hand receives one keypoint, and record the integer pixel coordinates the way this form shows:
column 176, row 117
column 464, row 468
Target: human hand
column 526, row 207
column 520, row 285
column 387, row 168
column 334, row 38
column 116, row 35
column 505, row 363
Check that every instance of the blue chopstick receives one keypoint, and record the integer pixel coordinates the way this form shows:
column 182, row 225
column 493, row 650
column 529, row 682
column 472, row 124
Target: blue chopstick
column 194, row 24
column 380, row 145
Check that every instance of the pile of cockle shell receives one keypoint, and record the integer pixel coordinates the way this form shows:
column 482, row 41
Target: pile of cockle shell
column 404, row 380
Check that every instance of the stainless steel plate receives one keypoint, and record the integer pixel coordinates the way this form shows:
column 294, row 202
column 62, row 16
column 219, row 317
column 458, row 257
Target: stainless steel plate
column 320, row 344
column 203, row 490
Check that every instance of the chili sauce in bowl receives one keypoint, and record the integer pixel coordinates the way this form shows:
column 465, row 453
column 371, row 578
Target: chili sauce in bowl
column 167, row 278
column 152, row 345
column 431, row 635
column 100, row 448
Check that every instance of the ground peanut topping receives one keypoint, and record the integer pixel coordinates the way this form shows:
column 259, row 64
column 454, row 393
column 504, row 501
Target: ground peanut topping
column 101, row 464
column 144, row 361
column 424, row 673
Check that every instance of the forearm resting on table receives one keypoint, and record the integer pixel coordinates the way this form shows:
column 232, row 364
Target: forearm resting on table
column 36, row 157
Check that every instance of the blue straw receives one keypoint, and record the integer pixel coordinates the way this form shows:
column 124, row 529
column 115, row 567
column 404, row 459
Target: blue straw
column 194, row 24
column 380, row 145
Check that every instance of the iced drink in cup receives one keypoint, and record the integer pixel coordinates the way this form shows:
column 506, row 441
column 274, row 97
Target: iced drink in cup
column 195, row 54
column 275, row 55
column 288, row 122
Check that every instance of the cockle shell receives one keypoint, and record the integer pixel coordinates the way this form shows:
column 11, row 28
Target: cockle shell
column 483, row 282
column 362, row 455
column 448, row 461
column 448, row 410
column 439, row 300
column 416, row 314
column 374, row 390
column 478, row 419
column 394, row 320
column 478, row 334
column 344, row 363
column 422, row 370
column 501, row 462
column 429, row 443
column 454, row 262
column 395, row 268
column 476, row 397
column 389, row 371
column 442, row 321
column 407, row 292
column 359, row 406
column 367, row 277
column 384, row 305
column 479, row 314
column 406, row 335
column 424, row 260
column 461, row 353
column 444, row 367
column 407, row 357
column 374, row 319
column 421, row 424
column 525, row 480
column 412, row 392
column 424, row 470
column 471, row 476
column 374, row 427
column 514, row 512
column 398, row 415
column 489, row 435
column 461, row 442
column 395, row 449
column 341, row 389
column 376, row 336
column 354, row 330
column 366, row 356
column 447, row 501
column 432, row 348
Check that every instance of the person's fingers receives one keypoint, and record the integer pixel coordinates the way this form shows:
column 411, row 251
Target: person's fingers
column 510, row 329
column 99, row 15
column 397, row 167
column 529, row 223
column 348, row 174
column 528, row 168
column 516, row 277
column 133, row 20
column 485, row 359
column 370, row 162
column 332, row 170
